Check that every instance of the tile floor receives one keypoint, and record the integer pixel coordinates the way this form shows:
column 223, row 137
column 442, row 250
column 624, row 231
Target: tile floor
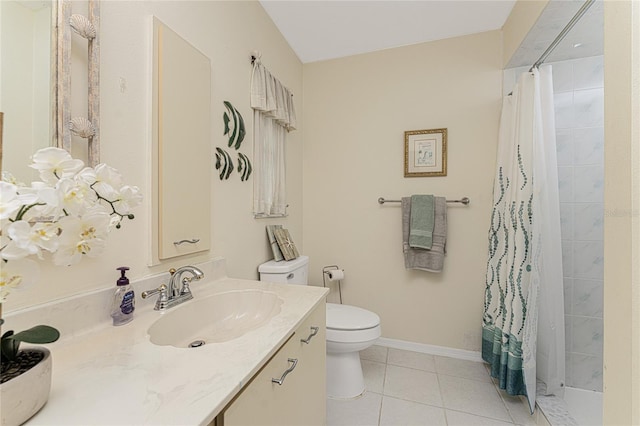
column 409, row 388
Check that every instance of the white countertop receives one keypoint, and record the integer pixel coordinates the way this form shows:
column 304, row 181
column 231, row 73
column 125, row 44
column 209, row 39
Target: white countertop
column 115, row 376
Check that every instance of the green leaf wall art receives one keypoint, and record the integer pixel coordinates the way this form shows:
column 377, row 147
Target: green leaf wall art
column 235, row 130
column 244, row 167
column 224, row 164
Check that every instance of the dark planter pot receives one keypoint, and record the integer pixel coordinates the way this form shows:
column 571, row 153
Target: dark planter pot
column 24, row 395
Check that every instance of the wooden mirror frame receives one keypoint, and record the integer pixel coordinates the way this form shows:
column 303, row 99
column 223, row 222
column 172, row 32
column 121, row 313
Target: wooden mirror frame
column 63, row 124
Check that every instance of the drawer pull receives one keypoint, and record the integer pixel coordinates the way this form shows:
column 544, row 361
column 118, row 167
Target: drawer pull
column 314, row 331
column 191, row 241
column 280, row 381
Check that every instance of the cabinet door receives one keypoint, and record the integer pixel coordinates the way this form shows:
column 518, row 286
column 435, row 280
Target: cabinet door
column 182, row 144
column 300, row 399
column 311, row 402
column 263, row 402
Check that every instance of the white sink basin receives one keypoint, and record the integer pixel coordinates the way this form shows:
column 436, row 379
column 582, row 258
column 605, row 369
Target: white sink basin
column 217, row 318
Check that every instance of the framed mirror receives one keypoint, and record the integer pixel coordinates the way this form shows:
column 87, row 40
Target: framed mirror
column 36, row 40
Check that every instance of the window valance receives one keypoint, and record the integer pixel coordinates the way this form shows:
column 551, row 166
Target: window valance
column 271, row 97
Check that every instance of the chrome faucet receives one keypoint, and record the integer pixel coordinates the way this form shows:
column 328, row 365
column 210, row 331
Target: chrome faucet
column 174, row 289
column 174, row 294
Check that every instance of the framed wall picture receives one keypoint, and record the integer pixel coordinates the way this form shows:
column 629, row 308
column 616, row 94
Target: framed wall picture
column 425, row 153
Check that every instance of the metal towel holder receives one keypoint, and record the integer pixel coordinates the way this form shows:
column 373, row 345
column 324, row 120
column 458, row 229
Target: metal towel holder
column 325, row 273
column 463, row 200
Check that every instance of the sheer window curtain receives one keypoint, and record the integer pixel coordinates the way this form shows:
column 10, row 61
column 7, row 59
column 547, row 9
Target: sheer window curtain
column 273, row 117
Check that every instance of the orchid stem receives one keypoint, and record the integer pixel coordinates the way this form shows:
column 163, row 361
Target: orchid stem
column 24, row 209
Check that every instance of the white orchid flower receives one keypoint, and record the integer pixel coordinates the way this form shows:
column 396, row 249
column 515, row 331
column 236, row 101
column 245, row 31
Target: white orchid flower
column 9, row 201
column 29, row 195
column 87, row 175
column 82, row 236
column 114, row 222
column 108, row 181
column 51, row 196
column 27, row 239
column 17, row 275
column 47, row 199
column 69, row 213
column 54, row 164
column 10, row 178
column 75, row 196
column 129, row 198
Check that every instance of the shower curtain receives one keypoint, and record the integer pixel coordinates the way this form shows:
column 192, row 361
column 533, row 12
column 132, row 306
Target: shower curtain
column 524, row 267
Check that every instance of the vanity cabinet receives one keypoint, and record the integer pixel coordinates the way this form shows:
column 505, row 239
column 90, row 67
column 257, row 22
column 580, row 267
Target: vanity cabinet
column 301, row 398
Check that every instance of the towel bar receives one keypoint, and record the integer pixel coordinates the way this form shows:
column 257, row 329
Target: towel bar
column 463, row 200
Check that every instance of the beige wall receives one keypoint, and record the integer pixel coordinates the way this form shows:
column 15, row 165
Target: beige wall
column 622, row 217
column 226, row 32
column 356, row 111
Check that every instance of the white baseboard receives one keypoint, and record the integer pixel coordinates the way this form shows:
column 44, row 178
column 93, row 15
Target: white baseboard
column 430, row 349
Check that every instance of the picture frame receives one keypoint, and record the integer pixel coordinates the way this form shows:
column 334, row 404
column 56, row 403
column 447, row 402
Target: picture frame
column 273, row 243
column 425, row 153
column 286, row 244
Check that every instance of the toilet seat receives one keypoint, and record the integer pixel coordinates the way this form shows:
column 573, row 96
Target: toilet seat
column 348, row 318
column 350, row 324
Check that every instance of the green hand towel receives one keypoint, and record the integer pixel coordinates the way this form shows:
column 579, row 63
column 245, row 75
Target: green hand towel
column 422, row 219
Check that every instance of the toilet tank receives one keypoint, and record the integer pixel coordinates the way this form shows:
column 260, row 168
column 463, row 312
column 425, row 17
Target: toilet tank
column 294, row 271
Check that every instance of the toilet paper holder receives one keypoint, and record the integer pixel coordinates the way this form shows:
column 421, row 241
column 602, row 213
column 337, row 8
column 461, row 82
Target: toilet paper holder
column 327, row 273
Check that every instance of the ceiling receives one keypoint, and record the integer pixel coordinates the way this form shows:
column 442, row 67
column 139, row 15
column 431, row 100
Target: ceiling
column 328, row 29
column 320, row 30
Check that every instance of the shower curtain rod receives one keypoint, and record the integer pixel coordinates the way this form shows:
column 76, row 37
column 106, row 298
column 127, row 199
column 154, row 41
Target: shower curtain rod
column 583, row 9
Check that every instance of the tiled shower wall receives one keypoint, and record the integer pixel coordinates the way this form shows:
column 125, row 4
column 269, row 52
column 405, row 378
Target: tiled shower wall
column 579, row 104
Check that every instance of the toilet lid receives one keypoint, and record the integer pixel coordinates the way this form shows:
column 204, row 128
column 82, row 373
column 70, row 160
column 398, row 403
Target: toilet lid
column 346, row 317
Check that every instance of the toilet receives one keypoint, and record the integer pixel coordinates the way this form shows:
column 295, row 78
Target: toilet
column 349, row 330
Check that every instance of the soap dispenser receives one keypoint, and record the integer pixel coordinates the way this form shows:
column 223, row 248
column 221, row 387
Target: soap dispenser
column 123, row 300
